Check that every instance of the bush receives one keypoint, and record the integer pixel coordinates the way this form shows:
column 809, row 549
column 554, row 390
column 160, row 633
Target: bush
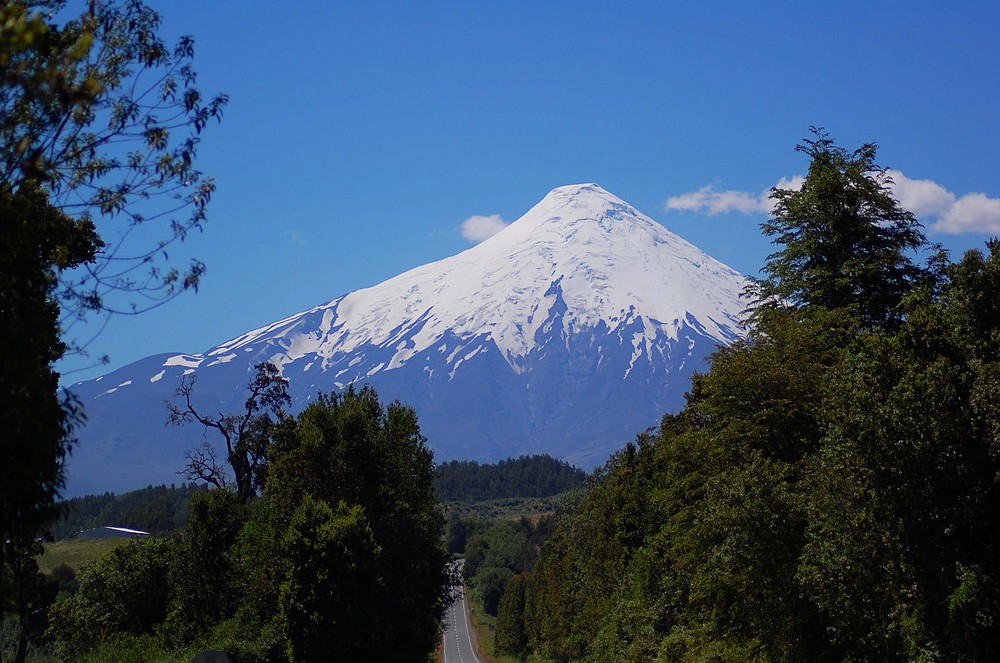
column 127, row 592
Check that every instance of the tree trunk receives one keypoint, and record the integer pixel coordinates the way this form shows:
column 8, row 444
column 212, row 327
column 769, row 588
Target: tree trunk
column 22, row 641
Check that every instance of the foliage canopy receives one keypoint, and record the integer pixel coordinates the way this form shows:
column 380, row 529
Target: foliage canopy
column 829, row 491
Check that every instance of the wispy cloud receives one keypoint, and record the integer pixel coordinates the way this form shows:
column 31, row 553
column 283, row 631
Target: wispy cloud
column 942, row 210
column 295, row 237
column 711, row 201
column 479, row 228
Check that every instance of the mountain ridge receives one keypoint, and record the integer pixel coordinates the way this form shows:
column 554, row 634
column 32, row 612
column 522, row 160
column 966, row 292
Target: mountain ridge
column 502, row 349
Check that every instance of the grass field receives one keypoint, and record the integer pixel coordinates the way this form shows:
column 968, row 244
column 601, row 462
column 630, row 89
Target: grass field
column 76, row 553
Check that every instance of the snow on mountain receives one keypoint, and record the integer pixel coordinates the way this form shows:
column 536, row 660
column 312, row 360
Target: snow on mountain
column 567, row 332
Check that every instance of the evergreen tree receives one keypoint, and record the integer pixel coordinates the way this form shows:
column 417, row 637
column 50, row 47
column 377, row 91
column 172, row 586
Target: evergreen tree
column 846, row 243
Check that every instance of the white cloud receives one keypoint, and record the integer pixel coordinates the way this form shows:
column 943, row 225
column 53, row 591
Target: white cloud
column 972, row 213
column 693, row 201
column 793, row 183
column 722, row 202
column 707, row 199
column 479, row 228
column 931, row 202
column 922, row 197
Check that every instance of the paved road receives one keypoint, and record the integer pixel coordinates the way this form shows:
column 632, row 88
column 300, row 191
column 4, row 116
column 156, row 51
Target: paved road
column 458, row 646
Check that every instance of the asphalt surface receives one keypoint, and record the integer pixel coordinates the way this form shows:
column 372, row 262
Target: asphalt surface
column 458, row 647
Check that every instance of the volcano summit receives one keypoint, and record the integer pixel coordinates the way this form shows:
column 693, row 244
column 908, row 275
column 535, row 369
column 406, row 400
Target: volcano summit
column 566, row 333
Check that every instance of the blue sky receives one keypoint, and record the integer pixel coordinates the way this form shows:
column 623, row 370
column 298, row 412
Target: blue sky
column 360, row 136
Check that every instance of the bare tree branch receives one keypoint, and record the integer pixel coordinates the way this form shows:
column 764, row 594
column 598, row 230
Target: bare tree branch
column 203, row 466
column 247, row 434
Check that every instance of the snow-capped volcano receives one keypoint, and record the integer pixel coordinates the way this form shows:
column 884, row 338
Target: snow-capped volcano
column 567, row 332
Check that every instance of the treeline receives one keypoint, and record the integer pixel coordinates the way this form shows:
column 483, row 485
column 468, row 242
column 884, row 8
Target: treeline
column 339, row 556
column 154, row 509
column 829, row 492
column 525, row 476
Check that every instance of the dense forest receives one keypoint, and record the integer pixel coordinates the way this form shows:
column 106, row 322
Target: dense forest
column 499, row 550
column 525, row 476
column 154, row 509
column 829, row 492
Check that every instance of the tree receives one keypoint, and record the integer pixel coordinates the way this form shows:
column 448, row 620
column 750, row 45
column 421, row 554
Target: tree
column 904, row 491
column 329, row 604
column 491, row 582
column 247, row 434
column 577, row 568
column 686, row 544
column 37, row 241
column 525, row 476
column 201, row 569
column 126, row 592
column 350, row 448
column 511, row 635
column 99, row 128
column 829, row 491
column 846, row 242
column 104, row 116
column 27, row 595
